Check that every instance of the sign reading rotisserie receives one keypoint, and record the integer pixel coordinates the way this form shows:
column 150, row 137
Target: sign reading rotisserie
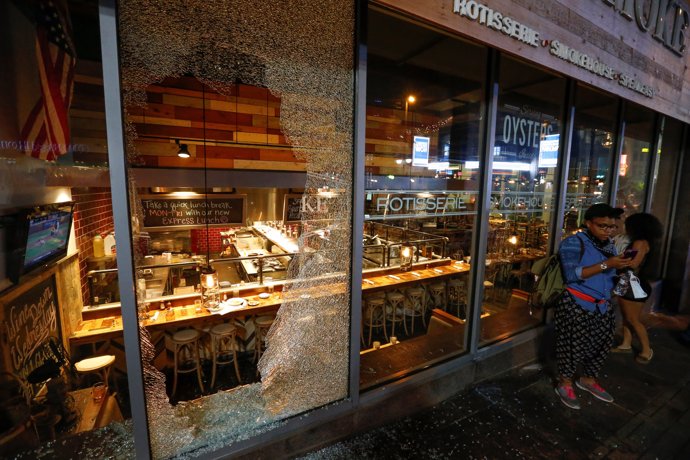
column 193, row 212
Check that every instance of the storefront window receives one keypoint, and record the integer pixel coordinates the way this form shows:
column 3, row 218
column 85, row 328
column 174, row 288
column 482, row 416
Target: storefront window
column 591, row 155
column 664, row 184
column 633, row 172
column 525, row 158
column 239, row 141
column 59, row 384
column 424, row 108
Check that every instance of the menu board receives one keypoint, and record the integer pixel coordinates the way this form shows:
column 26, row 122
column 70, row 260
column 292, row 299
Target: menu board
column 30, row 320
column 292, row 208
column 172, row 212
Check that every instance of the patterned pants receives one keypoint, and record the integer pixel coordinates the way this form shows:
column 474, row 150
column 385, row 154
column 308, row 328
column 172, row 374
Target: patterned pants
column 582, row 337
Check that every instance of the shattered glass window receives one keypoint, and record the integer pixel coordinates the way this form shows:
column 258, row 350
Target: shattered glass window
column 239, row 119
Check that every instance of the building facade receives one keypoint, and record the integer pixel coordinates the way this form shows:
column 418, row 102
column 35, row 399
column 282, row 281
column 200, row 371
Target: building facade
column 232, row 228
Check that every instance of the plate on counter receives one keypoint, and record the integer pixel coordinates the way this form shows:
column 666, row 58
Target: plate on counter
column 264, row 295
column 225, row 284
column 253, row 303
column 235, row 302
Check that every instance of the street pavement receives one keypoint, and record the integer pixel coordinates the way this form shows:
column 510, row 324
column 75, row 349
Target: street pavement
column 518, row 415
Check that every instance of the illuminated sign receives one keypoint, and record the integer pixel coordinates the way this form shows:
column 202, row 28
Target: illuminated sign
column 420, row 151
column 548, row 151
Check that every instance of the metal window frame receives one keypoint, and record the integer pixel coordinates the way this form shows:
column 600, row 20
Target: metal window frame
column 675, row 199
column 565, row 153
column 481, row 230
column 107, row 12
column 617, row 152
column 654, row 160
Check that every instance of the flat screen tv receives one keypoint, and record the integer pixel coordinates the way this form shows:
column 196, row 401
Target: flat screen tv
column 38, row 236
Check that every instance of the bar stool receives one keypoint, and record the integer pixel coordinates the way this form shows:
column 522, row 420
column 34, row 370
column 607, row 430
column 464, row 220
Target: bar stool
column 224, row 348
column 437, row 295
column 186, row 355
column 416, row 306
column 261, row 324
column 98, row 364
column 456, row 297
column 395, row 310
column 374, row 315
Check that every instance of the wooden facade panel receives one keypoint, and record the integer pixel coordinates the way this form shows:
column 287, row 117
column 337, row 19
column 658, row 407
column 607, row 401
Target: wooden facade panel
column 231, row 152
column 281, row 155
column 270, row 165
column 183, row 132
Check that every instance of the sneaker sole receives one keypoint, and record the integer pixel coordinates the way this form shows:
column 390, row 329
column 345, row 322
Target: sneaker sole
column 600, row 398
column 567, row 403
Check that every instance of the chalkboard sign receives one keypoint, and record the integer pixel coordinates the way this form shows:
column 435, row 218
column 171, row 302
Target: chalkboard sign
column 29, row 322
column 292, row 208
column 172, row 212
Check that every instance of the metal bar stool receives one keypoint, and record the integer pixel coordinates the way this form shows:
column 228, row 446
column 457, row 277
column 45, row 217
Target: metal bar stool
column 395, row 310
column 186, row 355
column 224, row 348
column 415, row 305
column 374, row 315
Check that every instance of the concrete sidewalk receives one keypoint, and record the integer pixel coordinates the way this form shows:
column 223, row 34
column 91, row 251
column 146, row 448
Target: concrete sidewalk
column 520, row 416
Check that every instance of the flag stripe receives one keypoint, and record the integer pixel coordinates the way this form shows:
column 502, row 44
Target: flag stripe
column 46, row 128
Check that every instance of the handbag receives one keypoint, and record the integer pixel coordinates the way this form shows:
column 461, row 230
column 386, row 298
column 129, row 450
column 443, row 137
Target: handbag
column 636, row 287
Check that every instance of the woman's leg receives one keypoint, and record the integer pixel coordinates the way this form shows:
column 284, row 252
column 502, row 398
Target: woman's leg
column 632, row 313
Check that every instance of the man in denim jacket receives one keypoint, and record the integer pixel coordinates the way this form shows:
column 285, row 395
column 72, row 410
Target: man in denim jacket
column 584, row 318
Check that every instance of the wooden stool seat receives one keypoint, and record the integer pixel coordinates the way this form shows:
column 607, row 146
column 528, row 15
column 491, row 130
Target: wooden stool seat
column 224, row 348
column 416, row 305
column 437, row 296
column 457, row 295
column 262, row 325
column 99, row 364
column 395, row 310
column 186, row 355
column 374, row 315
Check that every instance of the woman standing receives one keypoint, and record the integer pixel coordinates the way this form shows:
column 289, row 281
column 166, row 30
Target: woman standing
column 584, row 318
column 643, row 230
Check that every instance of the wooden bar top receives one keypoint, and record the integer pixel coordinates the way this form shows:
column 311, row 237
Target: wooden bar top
column 106, row 328
column 110, row 327
column 413, row 276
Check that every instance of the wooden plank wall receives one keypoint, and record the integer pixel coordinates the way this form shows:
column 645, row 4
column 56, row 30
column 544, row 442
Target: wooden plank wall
column 241, row 130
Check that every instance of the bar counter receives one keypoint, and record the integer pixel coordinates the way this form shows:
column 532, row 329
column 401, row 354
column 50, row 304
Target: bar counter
column 99, row 329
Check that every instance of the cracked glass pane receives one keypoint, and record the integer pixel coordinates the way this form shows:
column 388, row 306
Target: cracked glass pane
column 259, row 95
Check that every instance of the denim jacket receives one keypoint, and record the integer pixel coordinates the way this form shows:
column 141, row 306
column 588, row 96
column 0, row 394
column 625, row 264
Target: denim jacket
column 598, row 286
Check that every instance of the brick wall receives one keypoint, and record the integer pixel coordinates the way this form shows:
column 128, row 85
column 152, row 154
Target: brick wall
column 198, row 240
column 93, row 214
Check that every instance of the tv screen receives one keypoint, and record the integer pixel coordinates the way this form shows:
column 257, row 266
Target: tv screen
column 40, row 236
column 48, row 235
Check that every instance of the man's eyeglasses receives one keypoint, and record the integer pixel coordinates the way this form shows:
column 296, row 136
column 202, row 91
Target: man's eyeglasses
column 606, row 227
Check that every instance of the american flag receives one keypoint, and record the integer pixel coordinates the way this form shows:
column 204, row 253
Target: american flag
column 45, row 131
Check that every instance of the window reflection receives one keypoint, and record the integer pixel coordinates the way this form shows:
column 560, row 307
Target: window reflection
column 422, row 164
column 591, row 155
column 525, row 157
column 633, row 170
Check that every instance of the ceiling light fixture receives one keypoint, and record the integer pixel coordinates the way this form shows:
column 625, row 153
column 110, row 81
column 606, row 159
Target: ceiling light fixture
column 183, row 151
